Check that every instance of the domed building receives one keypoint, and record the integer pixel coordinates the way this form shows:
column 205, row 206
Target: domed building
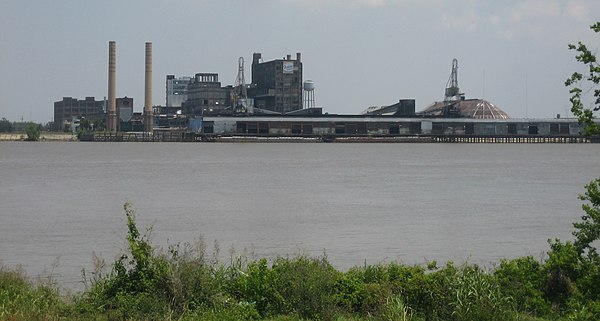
column 465, row 108
column 456, row 106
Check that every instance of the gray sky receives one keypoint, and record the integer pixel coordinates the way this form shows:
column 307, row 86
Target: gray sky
column 360, row 53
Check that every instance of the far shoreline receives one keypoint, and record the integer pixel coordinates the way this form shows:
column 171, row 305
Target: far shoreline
column 44, row 136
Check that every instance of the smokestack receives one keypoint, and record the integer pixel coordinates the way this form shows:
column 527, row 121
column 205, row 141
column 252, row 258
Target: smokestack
column 148, row 89
column 111, row 122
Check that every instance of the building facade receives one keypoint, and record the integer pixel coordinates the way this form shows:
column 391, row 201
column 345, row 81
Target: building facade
column 205, row 96
column 177, row 90
column 69, row 108
column 380, row 126
column 277, row 84
column 124, row 108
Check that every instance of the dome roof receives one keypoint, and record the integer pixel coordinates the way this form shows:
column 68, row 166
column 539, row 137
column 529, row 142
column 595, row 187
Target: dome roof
column 469, row 108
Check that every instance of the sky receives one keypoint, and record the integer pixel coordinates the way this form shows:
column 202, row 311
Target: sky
column 359, row 53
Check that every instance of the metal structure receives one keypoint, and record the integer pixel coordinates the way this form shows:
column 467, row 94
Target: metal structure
column 239, row 93
column 452, row 92
column 452, row 96
column 309, row 94
column 455, row 105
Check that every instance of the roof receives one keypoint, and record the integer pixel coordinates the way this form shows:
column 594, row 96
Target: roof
column 469, row 108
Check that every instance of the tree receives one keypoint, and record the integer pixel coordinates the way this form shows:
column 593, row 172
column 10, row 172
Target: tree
column 33, row 131
column 5, row 126
column 577, row 81
column 588, row 230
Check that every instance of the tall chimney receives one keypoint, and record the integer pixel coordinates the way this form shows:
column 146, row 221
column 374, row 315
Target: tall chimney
column 111, row 121
column 148, row 90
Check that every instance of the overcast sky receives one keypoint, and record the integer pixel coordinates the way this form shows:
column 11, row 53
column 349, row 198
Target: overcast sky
column 359, row 53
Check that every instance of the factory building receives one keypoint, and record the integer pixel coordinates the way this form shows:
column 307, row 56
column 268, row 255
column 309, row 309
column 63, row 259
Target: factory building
column 206, row 96
column 124, row 108
column 177, row 90
column 468, row 108
column 388, row 126
column 70, row 108
column 277, row 84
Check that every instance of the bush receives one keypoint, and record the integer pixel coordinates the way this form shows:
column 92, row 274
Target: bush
column 478, row 297
column 33, row 132
column 523, row 279
column 192, row 280
column 307, row 285
column 139, row 282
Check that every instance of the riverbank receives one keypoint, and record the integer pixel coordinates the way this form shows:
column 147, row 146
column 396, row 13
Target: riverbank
column 44, row 136
column 185, row 282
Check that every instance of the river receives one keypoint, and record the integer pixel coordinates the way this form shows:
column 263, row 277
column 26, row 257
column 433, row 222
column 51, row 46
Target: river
column 61, row 203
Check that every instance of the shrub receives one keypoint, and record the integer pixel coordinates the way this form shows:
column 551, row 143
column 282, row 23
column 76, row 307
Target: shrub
column 33, row 131
column 139, row 282
column 192, row 282
column 477, row 297
column 562, row 268
column 257, row 286
column 523, row 279
column 306, row 284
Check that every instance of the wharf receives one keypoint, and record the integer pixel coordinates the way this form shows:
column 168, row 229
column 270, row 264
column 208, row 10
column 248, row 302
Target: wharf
column 182, row 136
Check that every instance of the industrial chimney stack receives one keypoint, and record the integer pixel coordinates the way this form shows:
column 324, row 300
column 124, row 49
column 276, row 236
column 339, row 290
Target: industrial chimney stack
column 148, row 90
column 111, row 121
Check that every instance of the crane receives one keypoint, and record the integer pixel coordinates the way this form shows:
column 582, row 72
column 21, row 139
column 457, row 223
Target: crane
column 453, row 96
column 239, row 94
column 452, row 91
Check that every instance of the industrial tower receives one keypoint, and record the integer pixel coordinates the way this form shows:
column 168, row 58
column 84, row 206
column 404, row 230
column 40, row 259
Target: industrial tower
column 452, row 96
column 452, row 91
column 239, row 93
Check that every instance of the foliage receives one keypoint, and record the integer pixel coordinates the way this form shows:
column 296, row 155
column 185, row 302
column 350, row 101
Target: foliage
column 5, row 126
column 573, row 268
column 524, row 278
column 576, row 81
column 307, row 285
column 184, row 283
column 138, row 285
column 588, row 230
column 21, row 300
column 33, row 132
column 478, row 297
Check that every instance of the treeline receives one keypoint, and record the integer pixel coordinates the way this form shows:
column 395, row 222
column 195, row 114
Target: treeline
column 6, row 126
column 186, row 283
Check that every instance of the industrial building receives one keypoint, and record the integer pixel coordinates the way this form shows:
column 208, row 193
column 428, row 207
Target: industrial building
column 70, row 108
column 278, row 104
column 177, row 90
column 124, row 108
column 206, row 96
column 341, row 126
column 456, row 105
column 277, row 84
column 467, row 108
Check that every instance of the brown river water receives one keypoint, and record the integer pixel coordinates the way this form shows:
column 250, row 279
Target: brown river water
column 61, row 203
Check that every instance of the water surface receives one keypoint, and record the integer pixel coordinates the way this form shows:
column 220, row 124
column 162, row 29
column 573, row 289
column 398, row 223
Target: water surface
column 61, row 203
